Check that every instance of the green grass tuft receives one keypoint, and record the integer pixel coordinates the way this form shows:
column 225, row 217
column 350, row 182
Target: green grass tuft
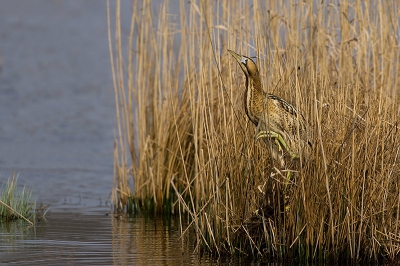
column 17, row 204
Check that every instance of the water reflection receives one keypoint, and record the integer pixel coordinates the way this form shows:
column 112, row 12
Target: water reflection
column 14, row 234
column 102, row 239
column 97, row 239
column 159, row 245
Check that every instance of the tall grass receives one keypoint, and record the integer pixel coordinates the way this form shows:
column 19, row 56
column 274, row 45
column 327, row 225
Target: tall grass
column 15, row 205
column 184, row 144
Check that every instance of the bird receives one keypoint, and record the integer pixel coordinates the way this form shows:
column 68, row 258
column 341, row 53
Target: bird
column 278, row 122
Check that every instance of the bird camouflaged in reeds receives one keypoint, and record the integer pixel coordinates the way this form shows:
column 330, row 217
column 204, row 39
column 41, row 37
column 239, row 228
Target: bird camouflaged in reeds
column 281, row 125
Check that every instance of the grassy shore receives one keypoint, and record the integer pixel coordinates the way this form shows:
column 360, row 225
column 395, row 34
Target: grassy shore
column 185, row 146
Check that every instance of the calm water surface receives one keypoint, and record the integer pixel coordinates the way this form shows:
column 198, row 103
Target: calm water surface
column 74, row 239
column 57, row 125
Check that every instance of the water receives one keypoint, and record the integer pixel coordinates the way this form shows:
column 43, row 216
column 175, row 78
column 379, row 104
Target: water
column 56, row 99
column 57, row 125
column 76, row 239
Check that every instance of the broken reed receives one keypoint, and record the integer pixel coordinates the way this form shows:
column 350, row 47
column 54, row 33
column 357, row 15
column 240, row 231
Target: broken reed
column 184, row 144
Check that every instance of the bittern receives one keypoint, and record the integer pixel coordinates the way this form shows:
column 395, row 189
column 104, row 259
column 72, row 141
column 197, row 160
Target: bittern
column 278, row 122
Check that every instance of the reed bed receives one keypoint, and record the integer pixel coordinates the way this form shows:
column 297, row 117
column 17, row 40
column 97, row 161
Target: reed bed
column 185, row 146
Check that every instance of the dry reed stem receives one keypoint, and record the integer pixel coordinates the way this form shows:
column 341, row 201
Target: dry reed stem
column 14, row 211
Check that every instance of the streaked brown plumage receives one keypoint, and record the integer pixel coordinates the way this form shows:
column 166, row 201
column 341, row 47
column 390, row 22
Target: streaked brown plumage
column 275, row 118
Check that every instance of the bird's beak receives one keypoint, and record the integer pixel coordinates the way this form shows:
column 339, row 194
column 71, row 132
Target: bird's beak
column 238, row 57
column 242, row 61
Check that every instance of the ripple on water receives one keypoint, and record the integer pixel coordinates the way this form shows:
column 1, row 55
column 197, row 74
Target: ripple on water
column 96, row 239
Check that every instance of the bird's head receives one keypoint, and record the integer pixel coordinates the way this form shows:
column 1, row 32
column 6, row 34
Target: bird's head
column 246, row 64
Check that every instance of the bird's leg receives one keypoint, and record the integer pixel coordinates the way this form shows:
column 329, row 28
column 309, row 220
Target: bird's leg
column 278, row 140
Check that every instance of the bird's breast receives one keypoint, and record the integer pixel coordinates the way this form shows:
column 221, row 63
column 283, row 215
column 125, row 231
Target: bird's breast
column 253, row 102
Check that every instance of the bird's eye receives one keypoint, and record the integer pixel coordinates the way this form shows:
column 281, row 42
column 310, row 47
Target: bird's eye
column 243, row 60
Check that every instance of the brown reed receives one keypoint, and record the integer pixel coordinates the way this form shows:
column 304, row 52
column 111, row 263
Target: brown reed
column 185, row 146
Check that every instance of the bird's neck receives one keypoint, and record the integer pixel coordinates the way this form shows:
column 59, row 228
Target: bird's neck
column 254, row 99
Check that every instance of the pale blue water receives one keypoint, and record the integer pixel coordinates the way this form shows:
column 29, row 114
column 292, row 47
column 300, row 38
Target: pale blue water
column 56, row 100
